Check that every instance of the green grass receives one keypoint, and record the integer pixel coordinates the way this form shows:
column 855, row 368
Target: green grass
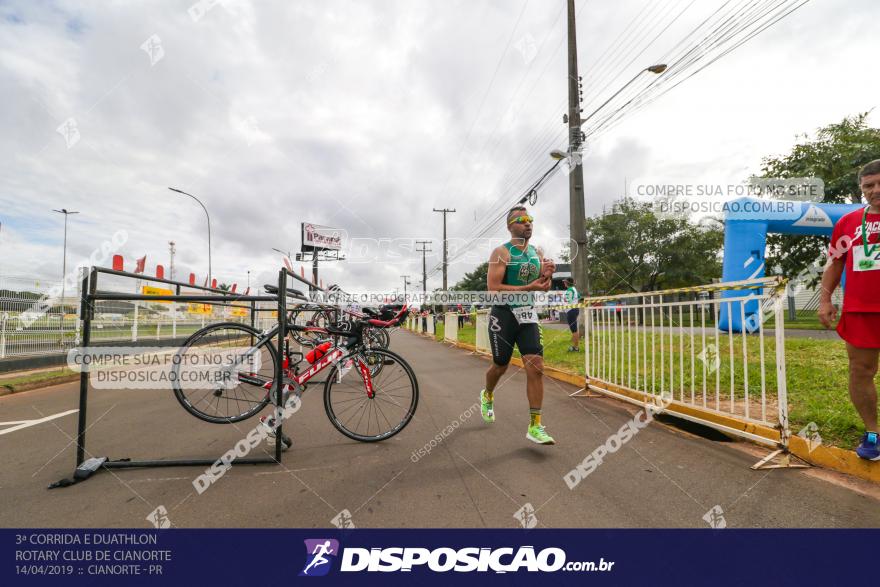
column 806, row 320
column 468, row 334
column 34, row 377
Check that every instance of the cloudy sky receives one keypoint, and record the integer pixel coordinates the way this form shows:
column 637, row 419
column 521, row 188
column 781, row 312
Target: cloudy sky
column 365, row 115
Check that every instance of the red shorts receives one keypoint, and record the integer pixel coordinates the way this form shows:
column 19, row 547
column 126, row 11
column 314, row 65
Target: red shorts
column 860, row 329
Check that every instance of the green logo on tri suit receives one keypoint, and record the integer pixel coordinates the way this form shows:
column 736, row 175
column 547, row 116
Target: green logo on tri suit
column 524, row 266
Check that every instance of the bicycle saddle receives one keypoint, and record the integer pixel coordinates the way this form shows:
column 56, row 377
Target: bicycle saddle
column 273, row 289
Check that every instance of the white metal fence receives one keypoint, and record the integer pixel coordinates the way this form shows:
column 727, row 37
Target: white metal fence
column 660, row 346
column 58, row 329
column 24, row 331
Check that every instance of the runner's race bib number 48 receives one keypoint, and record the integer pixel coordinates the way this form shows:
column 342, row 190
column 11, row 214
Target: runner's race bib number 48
column 525, row 315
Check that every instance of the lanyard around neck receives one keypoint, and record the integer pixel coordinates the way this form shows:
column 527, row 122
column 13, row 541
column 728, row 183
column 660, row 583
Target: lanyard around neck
column 868, row 250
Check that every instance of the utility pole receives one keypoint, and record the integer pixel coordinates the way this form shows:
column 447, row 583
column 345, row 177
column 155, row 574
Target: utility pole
column 315, row 270
column 424, row 250
column 445, row 211
column 577, row 227
column 171, row 264
column 405, row 283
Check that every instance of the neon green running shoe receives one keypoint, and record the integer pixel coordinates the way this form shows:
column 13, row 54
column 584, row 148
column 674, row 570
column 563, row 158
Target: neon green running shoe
column 538, row 435
column 487, row 408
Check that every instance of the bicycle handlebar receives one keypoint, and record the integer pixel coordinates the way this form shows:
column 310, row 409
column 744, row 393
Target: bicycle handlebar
column 386, row 323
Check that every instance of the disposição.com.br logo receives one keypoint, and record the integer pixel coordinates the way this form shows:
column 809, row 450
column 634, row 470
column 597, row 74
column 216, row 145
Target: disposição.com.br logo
column 321, row 552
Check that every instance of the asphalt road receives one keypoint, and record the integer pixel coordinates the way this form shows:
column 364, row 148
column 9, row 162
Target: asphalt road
column 478, row 475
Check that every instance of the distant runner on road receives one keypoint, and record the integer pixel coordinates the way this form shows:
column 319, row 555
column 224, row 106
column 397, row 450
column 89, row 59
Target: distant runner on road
column 517, row 266
column 571, row 315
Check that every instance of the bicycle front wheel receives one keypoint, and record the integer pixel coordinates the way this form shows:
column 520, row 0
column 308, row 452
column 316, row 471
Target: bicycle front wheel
column 377, row 337
column 220, row 374
column 316, row 318
column 371, row 419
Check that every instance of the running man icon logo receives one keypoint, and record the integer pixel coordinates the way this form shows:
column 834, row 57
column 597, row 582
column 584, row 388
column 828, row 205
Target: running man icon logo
column 320, row 553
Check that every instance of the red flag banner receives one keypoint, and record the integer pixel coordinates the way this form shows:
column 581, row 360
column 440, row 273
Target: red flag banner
column 192, row 278
column 160, row 272
column 140, row 265
column 234, row 286
column 247, row 291
column 118, row 263
column 213, row 284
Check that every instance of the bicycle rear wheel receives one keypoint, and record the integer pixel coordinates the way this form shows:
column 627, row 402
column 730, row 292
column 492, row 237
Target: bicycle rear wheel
column 396, row 396
column 219, row 376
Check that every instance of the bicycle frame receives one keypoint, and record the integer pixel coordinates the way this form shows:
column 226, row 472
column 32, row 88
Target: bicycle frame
column 334, row 355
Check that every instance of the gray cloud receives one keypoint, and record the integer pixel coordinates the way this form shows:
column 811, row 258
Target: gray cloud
column 362, row 115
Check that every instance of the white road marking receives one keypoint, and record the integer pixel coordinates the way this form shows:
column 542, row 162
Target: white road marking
column 20, row 424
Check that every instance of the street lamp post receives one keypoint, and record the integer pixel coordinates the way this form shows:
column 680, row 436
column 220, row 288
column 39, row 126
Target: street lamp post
column 577, row 213
column 209, row 226
column 655, row 69
column 286, row 254
column 66, row 213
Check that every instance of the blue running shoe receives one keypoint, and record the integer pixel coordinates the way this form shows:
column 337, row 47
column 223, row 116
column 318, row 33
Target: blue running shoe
column 869, row 449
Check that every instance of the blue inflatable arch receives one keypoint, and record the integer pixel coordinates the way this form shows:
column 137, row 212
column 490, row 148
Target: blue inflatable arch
column 747, row 221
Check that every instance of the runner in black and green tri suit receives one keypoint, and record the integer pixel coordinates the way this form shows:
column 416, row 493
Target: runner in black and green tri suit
column 517, row 266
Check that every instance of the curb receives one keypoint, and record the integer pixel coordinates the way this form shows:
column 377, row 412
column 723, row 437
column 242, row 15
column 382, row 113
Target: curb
column 828, row 457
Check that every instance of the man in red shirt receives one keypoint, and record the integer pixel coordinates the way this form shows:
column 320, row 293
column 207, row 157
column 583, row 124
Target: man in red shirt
column 855, row 248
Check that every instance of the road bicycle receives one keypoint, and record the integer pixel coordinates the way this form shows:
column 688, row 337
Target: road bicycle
column 319, row 315
column 370, row 393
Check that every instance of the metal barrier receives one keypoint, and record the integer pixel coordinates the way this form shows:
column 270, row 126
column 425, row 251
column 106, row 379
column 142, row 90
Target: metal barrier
column 54, row 332
column 482, row 326
column 644, row 347
column 90, row 303
column 450, row 326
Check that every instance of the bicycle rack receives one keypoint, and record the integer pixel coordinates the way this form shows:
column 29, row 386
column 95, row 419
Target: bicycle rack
column 86, row 467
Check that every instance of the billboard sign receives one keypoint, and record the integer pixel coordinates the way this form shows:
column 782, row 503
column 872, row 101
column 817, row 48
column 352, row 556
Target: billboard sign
column 320, row 238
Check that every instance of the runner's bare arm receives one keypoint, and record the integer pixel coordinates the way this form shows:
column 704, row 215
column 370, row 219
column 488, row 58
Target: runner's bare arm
column 830, row 280
column 548, row 266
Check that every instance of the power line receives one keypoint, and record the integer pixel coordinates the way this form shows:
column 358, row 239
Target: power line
column 485, row 95
column 723, row 29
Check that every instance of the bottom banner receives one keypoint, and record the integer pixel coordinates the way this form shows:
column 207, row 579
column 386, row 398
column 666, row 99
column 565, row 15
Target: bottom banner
column 394, row 557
